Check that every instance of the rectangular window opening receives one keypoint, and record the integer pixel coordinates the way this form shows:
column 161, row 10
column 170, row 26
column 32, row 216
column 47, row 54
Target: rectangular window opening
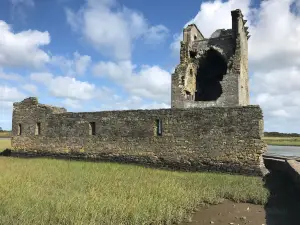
column 92, row 130
column 38, row 129
column 158, row 127
column 19, row 129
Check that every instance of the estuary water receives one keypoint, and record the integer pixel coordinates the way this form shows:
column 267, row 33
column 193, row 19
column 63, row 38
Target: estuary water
column 284, row 150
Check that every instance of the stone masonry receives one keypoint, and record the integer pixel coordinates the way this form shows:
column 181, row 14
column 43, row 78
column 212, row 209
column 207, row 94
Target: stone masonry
column 187, row 136
column 213, row 71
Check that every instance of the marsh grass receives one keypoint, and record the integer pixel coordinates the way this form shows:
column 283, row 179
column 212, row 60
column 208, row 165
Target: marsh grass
column 283, row 141
column 45, row 191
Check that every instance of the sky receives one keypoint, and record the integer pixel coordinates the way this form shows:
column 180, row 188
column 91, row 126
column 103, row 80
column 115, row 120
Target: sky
column 95, row 55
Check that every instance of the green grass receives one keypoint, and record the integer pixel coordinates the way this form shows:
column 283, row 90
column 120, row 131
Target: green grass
column 283, row 141
column 45, row 191
column 4, row 144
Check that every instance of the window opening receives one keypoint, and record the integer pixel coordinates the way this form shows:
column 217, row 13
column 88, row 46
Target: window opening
column 19, row 129
column 38, row 129
column 92, row 128
column 183, row 80
column 158, row 127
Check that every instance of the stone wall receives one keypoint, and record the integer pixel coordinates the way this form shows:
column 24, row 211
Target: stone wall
column 218, row 139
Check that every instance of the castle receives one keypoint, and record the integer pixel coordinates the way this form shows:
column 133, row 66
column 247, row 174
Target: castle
column 210, row 125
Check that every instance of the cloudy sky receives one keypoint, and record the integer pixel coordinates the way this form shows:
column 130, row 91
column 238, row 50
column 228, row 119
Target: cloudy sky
column 93, row 55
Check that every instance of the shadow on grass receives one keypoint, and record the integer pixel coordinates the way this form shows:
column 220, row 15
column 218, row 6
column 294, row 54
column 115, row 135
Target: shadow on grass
column 283, row 206
column 6, row 152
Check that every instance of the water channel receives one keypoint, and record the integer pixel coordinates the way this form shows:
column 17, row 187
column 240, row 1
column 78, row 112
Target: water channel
column 284, row 150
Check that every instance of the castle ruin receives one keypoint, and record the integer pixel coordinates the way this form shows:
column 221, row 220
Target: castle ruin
column 213, row 71
column 210, row 125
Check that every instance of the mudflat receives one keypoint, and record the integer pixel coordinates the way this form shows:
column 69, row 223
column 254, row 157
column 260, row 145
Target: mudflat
column 229, row 212
column 282, row 207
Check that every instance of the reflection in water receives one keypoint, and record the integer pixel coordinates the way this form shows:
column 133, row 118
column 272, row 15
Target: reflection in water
column 284, row 150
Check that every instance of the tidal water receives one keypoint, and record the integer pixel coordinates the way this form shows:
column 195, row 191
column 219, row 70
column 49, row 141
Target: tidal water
column 284, row 150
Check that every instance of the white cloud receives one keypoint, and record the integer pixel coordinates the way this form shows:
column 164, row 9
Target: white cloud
column 9, row 76
column 22, row 49
column 44, row 78
column 132, row 102
column 10, row 94
column 112, row 29
column 274, row 56
column 72, row 67
column 206, row 19
column 175, row 45
column 149, row 82
column 30, row 88
column 156, row 34
column 72, row 103
column 277, row 47
column 81, row 63
column 65, row 87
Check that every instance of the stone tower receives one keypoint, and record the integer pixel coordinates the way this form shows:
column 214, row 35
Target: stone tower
column 213, row 71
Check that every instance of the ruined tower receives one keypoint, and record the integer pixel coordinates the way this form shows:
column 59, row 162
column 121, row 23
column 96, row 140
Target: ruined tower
column 213, row 71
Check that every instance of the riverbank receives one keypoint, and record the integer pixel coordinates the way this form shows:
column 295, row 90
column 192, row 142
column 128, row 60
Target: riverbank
column 283, row 207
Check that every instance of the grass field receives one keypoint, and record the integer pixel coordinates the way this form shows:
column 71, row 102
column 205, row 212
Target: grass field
column 45, row 191
column 5, row 134
column 4, row 144
column 283, row 141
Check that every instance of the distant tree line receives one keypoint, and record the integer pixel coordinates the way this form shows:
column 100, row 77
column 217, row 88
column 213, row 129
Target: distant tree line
column 278, row 134
column 1, row 130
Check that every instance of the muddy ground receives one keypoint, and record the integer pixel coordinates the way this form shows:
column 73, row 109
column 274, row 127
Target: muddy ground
column 282, row 208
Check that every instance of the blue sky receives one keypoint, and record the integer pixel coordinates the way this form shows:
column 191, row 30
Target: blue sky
column 93, row 55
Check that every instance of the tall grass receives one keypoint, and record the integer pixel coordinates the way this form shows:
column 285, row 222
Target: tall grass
column 44, row 191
